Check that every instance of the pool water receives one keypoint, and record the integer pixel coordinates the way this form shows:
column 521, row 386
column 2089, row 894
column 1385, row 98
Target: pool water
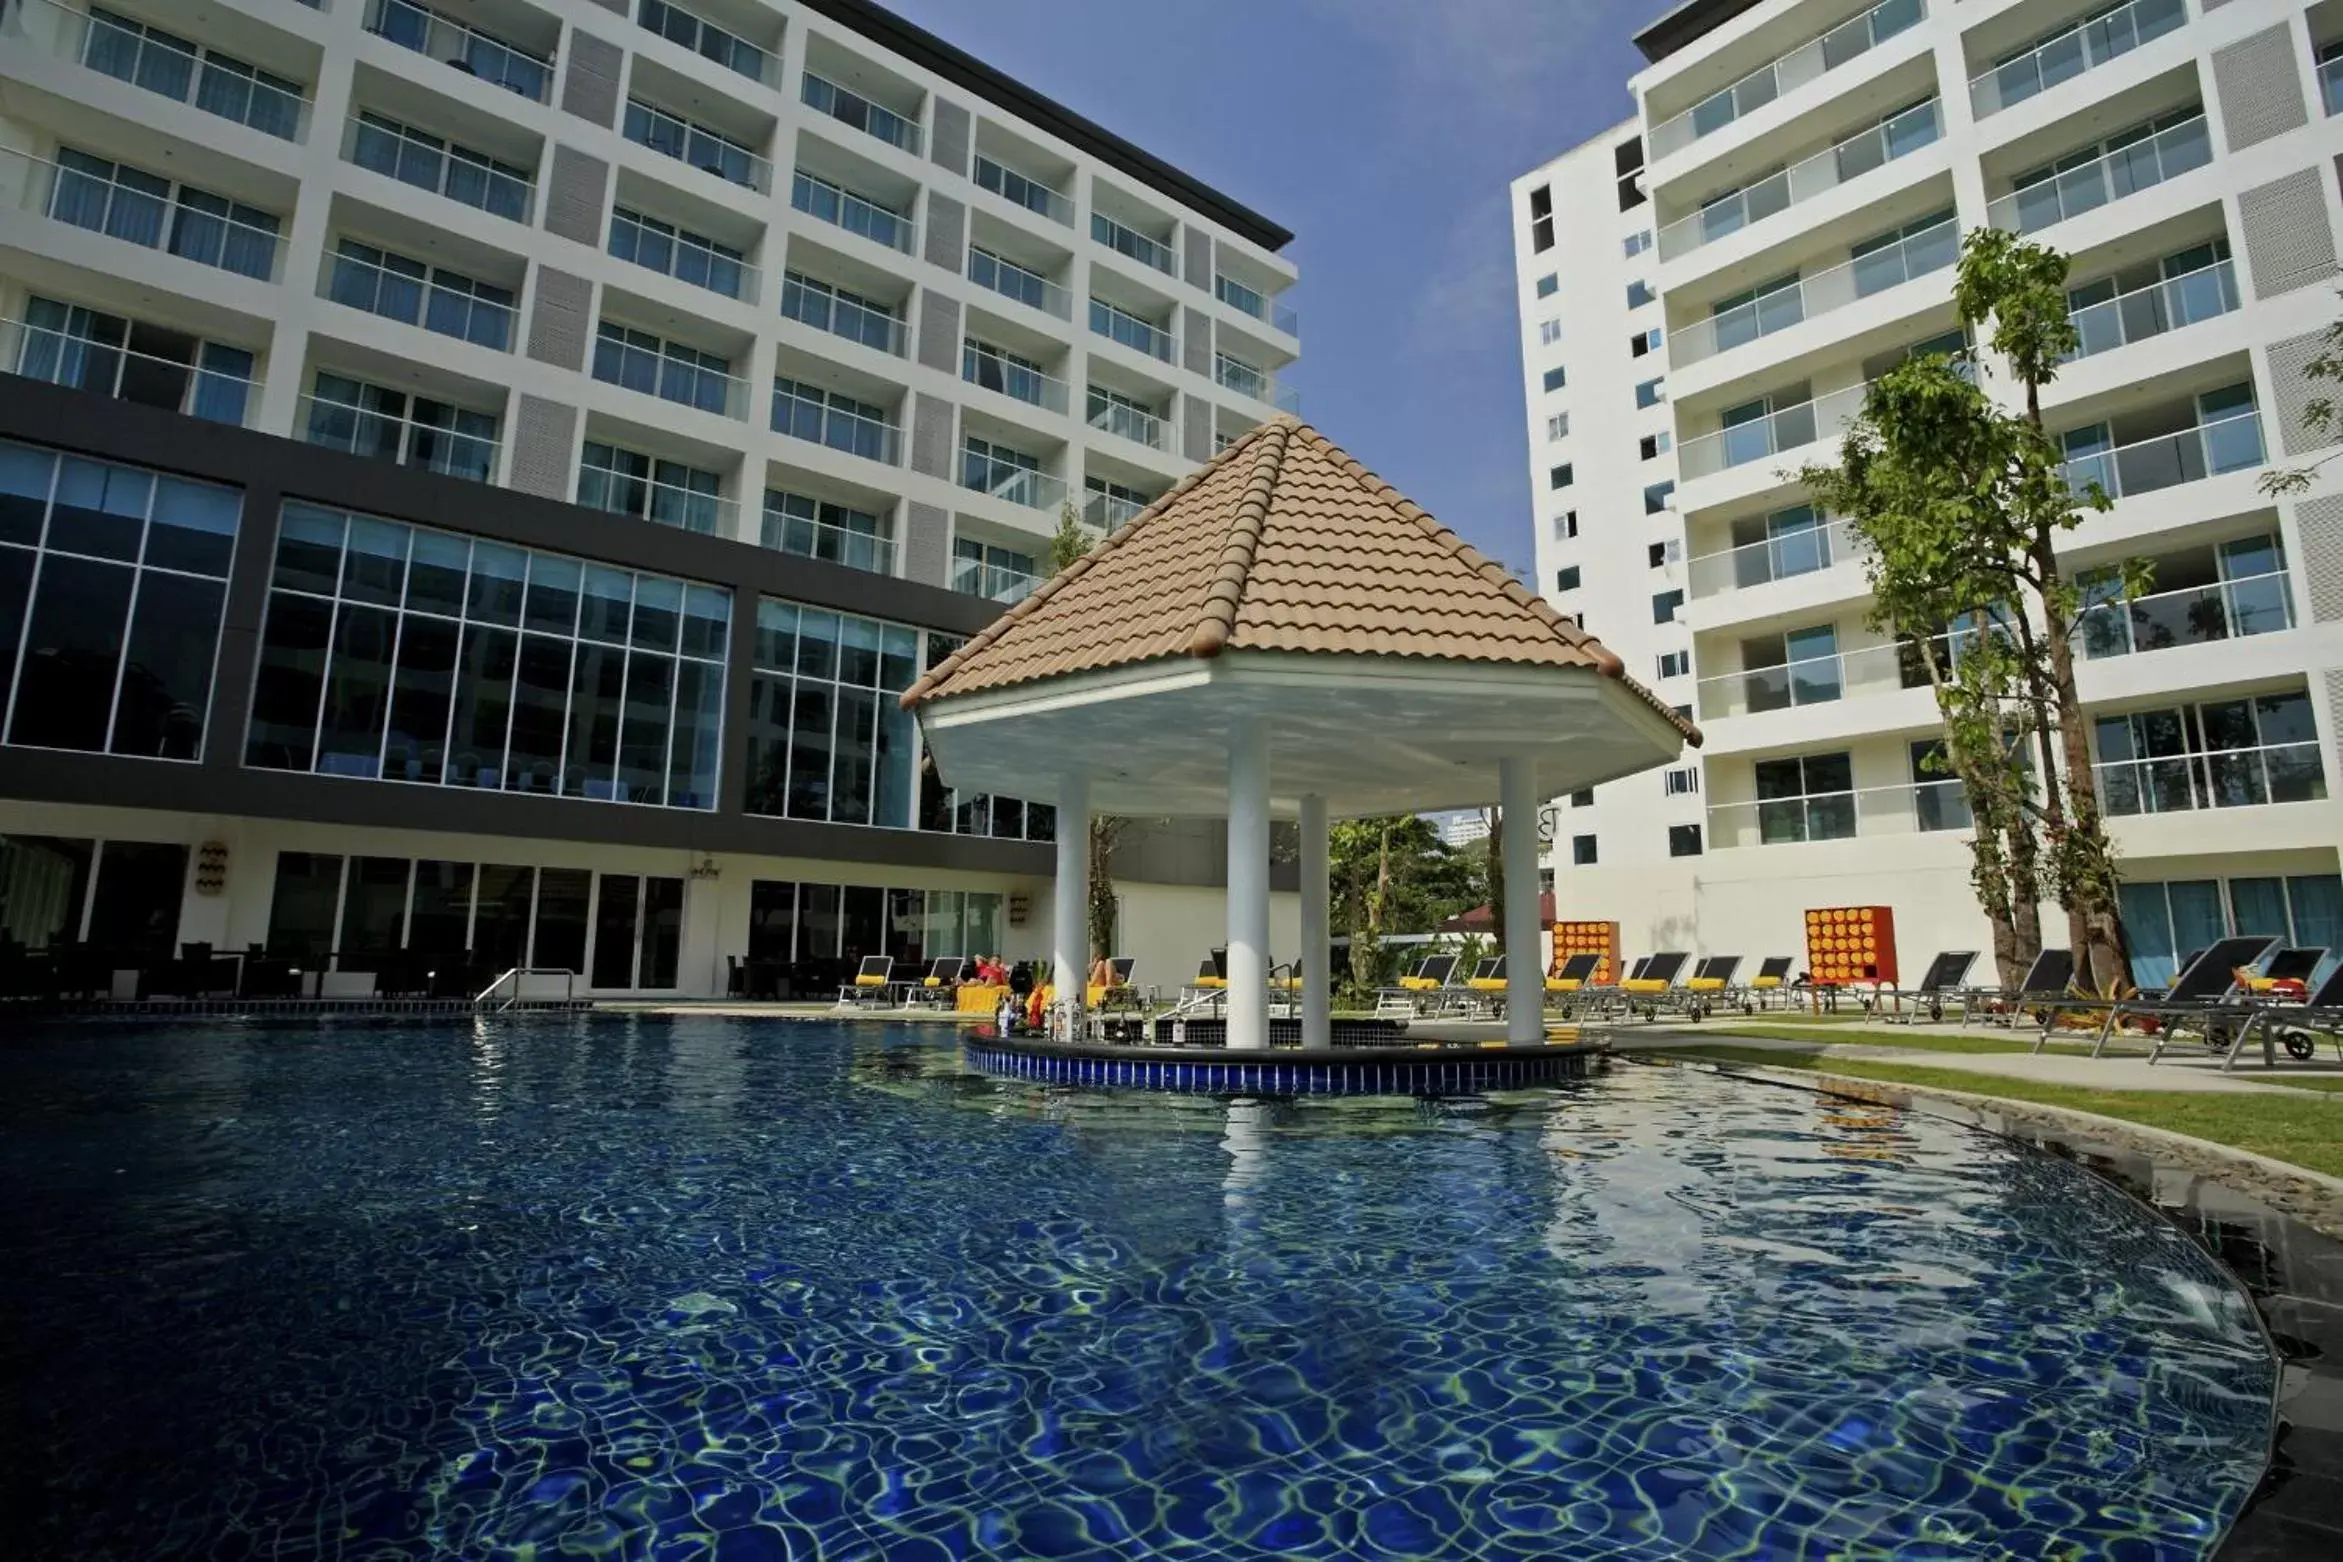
column 753, row 1290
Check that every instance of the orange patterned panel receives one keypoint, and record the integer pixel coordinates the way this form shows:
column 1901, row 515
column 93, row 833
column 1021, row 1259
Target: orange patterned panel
column 1846, row 945
column 1588, row 938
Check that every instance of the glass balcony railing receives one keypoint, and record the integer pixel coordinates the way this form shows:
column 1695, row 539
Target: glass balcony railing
column 710, row 151
column 1107, row 512
column 1817, row 680
column 999, row 582
column 163, row 63
column 1020, row 485
column 813, row 538
column 661, row 503
column 1117, row 326
column 214, row 382
column 442, row 167
column 469, row 50
column 825, row 310
column 1011, row 280
column 683, row 257
column 2331, row 82
column 994, row 373
column 364, row 431
column 1932, row 249
column 2224, row 778
column 826, row 201
column 2127, row 170
column 1019, row 190
column 2083, row 47
column 1131, row 242
column 145, row 209
column 1130, row 423
column 852, row 108
column 2155, row 309
column 816, row 421
column 2222, row 445
column 1823, row 418
column 1259, row 305
column 637, row 368
column 1913, row 808
column 1900, row 135
column 2196, row 615
column 1779, row 77
column 1797, row 551
column 1235, row 375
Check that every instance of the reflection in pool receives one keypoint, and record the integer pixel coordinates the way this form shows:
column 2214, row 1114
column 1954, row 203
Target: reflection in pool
column 709, row 1288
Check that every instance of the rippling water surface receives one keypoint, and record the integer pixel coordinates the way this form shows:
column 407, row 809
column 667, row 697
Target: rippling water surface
column 731, row 1290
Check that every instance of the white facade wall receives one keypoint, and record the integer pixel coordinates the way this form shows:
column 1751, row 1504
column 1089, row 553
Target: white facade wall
column 2266, row 188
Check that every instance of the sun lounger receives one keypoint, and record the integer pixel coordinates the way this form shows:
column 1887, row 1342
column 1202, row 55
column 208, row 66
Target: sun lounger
column 1773, row 976
column 2281, row 1022
column 1425, row 990
column 1095, row 996
column 1564, row 986
column 869, row 987
column 2195, row 999
column 1653, row 985
column 2282, row 980
column 1710, row 984
column 1947, row 977
column 2046, row 981
column 938, row 988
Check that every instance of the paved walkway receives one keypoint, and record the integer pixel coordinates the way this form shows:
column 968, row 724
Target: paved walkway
column 2187, row 1067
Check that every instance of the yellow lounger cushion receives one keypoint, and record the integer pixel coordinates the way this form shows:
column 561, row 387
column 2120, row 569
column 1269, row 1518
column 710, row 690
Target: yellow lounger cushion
column 1211, row 981
column 1643, row 984
column 933, row 981
column 1096, row 995
column 1563, row 984
column 870, row 981
column 1418, row 984
column 1707, row 984
column 1765, row 981
column 1487, row 984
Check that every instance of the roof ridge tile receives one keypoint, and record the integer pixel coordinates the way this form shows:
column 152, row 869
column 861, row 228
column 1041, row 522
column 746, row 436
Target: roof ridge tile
column 1241, row 543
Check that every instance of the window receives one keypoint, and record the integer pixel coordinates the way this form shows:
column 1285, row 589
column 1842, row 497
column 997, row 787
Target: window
column 1557, row 427
column 1566, row 578
column 1656, row 495
column 2235, row 753
column 1549, row 332
column 678, row 252
column 1664, row 605
column 852, row 108
column 1939, row 801
column 391, row 425
column 129, row 203
column 1005, row 472
column 1675, row 664
column 1010, row 280
column 1627, row 160
column 1120, row 325
column 1582, row 851
column 1020, row 189
column 710, row 151
column 841, row 312
column 1639, row 293
column 113, row 581
column 2146, row 154
column 1684, row 840
column 176, row 68
column 998, row 368
column 1653, row 446
column 1811, row 798
column 1583, row 798
column 1651, row 392
column 1666, row 552
column 1108, row 505
column 462, row 45
column 671, row 371
column 1246, row 379
column 833, row 418
column 627, row 482
column 443, row 167
column 1643, row 343
column 1126, row 240
column 382, row 282
column 401, row 653
column 1684, row 711
column 1928, row 244
column 984, row 569
column 1796, row 667
column 1560, row 476
column 65, row 344
column 1541, row 218
column 1548, row 285
column 1556, row 378
column 1566, row 526
column 828, row 738
column 2163, row 920
column 1636, row 243
column 1683, row 781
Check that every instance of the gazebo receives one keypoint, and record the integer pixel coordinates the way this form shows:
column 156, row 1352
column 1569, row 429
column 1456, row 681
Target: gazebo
column 1285, row 635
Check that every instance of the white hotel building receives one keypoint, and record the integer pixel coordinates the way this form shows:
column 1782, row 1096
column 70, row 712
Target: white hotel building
column 759, row 344
column 1704, row 290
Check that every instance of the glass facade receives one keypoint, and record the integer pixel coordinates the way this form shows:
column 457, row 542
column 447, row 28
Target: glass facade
column 113, row 581
column 65, row 344
column 2165, row 921
column 627, row 482
column 827, row 738
column 119, row 898
column 395, row 652
column 802, row 923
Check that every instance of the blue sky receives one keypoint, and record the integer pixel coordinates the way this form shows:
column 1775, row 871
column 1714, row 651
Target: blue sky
column 1384, row 134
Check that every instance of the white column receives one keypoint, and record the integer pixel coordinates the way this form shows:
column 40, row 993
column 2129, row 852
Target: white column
column 1070, row 948
column 1525, row 976
column 1317, row 1000
column 1248, row 885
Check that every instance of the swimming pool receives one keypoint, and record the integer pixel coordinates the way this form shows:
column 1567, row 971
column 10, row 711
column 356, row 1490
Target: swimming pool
column 736, row 1289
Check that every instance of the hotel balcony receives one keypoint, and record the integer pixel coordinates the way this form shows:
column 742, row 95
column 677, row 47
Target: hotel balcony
column 1871, row 148
column 1780, row 80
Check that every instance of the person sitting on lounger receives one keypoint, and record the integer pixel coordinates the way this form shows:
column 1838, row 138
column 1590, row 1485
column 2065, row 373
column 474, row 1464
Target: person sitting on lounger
column 1102, row 974
column 1037, row 1005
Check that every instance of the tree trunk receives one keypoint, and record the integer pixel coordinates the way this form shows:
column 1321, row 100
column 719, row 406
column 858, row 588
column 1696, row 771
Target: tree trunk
column 1101, row 912
column 1496, row 875
column 1991, row 884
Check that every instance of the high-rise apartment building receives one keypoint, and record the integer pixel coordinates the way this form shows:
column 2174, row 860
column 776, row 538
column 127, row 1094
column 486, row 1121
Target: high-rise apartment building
column 1706, row 288
column 475, row 477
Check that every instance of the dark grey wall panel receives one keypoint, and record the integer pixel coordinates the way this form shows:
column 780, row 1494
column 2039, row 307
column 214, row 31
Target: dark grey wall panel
column 2260, row 87
column 939, row 331
column 927, row 544
column 947, row 232
column 1191, row 852
column 544, row 443
column 2294, row 391
column 2319, row 523
column 561, row 319
column 949, row 148
column 931, row 435
column 2288, row 242
column 1199, row 258
column 589, row 87
column 574, row 190
column 1195, row 428
column 1196, row 341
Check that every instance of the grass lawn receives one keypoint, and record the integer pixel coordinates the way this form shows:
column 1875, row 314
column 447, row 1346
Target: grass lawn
column 1883, row 1036
column 2304, row 1129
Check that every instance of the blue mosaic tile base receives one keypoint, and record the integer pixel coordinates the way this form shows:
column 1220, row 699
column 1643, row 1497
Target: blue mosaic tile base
column 732, row 1291
column 1281, row 1074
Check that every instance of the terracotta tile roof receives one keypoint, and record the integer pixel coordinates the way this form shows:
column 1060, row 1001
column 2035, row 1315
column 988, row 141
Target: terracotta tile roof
column 1282, row 542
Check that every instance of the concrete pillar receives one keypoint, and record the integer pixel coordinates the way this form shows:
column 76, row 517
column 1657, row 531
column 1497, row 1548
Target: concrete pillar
column 1317, row 999
column 1525, row 976
column 1248, row 885
column 1070, row 948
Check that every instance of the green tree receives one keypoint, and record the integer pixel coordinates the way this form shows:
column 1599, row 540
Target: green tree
column 1389, row 875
